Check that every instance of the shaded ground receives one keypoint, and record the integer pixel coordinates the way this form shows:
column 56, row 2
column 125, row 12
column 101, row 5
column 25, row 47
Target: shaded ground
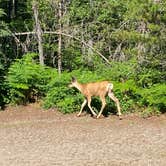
column 32, row 137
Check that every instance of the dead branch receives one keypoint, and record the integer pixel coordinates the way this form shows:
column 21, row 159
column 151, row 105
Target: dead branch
column 18, row 42
column 68, row 35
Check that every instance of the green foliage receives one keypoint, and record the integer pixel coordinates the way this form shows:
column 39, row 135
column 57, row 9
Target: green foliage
column 129, row 89
column 154, row 97
column 1, row 86
column 131, row 34
column 147, row 77
column 4, row 31
column 26, row 79
column 60, row 96
column 69, row 100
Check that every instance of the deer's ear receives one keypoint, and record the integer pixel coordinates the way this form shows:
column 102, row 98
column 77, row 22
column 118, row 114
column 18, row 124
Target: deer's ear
column 73, row 79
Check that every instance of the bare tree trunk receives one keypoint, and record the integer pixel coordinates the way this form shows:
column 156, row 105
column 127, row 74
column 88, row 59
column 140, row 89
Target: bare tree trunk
column 82, row 38
column 13, row 9
column 38, row 33
column 117, row 52
column 141, row 51
column 60, row 38
column 90, row 53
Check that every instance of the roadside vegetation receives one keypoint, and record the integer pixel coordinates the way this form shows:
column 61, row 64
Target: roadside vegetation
column 120, row 41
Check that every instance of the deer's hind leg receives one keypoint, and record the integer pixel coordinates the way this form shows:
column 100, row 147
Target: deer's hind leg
column 103, row 105
column 111, row 95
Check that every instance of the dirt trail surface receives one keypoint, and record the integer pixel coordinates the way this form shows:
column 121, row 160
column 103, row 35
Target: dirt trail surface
column 30, row 136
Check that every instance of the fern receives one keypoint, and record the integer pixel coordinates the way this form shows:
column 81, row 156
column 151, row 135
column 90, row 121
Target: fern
column 27, row 79
column 155, row 96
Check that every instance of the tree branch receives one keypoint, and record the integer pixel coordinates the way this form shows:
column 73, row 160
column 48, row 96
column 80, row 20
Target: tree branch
column 18, row 42
column 68, row 35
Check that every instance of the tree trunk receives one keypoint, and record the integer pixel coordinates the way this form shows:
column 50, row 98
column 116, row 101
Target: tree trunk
column 13, row 9
column 38, row 33
column 60, row 38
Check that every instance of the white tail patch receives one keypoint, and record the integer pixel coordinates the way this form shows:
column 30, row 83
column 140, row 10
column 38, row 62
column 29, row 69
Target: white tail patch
column 110, row 86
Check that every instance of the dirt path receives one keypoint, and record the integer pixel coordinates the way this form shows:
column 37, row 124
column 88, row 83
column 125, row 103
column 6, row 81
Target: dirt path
column 32, row 137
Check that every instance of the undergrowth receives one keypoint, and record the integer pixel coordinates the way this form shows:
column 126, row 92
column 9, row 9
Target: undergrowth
column 27, row 80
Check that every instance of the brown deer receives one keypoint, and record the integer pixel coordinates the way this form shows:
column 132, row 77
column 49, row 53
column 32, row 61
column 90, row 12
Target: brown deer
column 100, row 89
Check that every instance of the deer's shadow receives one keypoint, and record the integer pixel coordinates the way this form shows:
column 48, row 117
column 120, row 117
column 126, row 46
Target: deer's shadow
column 96, row 104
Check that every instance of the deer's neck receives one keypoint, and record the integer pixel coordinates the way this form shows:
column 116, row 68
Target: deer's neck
column 79, row 87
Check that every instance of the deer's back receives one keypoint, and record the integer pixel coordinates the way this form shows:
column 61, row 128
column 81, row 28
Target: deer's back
column 96, row 88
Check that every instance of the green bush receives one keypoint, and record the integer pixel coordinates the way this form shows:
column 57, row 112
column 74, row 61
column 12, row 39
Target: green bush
column 60, row 96
column 70, row 100
column 128, row 92
column 2, row 87
column 154, row 97
column 27, row 80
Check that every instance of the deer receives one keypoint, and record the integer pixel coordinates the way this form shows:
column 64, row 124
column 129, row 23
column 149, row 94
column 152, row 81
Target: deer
column 100, row 89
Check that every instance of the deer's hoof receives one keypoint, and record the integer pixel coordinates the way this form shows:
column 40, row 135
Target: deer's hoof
column 94, row 116
column 78, row 115
column 98, row 117
column 120, row 117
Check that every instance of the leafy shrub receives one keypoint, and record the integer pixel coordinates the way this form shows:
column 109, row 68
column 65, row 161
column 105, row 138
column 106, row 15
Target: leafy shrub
column 70, row 100
column 125, row 91
column 118, row 71
column 27, row 79
column 2, row 87
column 60, row 96
column 147, row 77
column 154, row 97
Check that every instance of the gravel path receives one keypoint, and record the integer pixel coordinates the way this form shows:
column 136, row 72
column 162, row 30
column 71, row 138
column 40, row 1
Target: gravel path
column 32, row 137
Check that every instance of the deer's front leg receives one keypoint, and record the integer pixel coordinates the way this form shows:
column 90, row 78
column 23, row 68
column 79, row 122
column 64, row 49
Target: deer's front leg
column 89, row 102
column 82, row 106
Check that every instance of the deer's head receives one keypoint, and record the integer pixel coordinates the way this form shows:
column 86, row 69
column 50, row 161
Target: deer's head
column 73, row 82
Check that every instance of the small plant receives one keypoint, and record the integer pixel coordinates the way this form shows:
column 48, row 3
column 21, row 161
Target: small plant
column 154, row 97
column 150, row 111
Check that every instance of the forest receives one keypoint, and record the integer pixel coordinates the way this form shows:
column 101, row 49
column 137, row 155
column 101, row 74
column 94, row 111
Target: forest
column 43, row 43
